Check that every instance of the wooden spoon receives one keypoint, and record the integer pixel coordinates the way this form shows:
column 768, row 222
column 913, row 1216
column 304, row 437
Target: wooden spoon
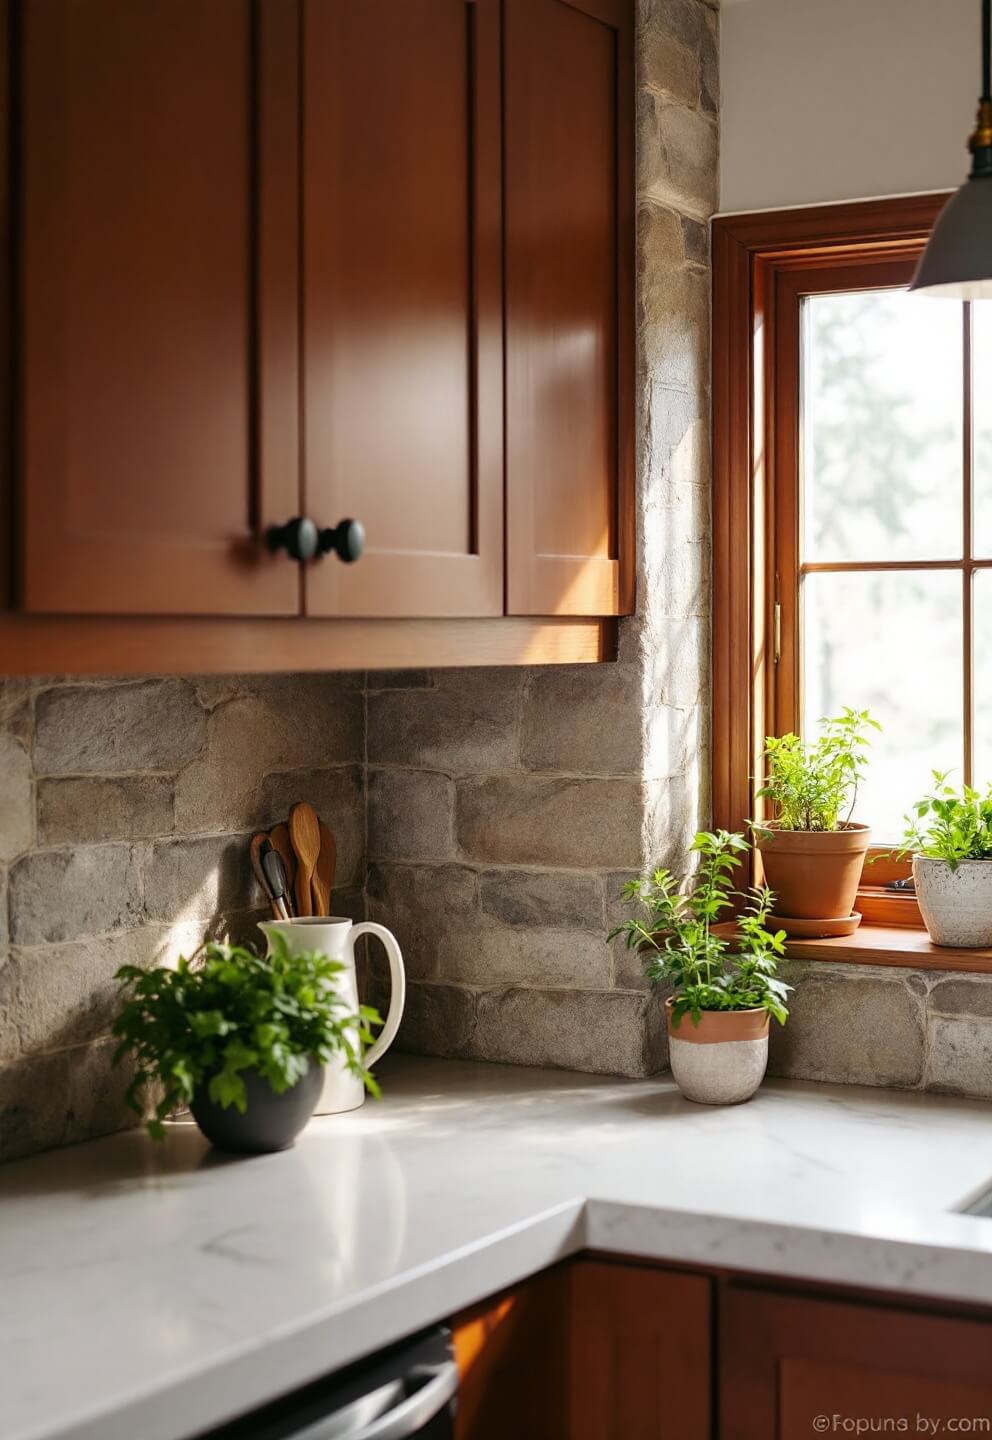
column 280, row 841
column 323, row 876
column 304, row 831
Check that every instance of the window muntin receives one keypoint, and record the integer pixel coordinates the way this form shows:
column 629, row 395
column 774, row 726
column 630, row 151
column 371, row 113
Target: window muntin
column 983, row 674
column 982, row 413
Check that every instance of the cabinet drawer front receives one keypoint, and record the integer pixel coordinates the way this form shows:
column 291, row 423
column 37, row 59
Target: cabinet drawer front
column 138, row 261
column 402, row 302
column 569, row 297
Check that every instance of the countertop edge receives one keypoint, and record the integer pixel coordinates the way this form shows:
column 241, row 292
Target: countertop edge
column 351, row 1330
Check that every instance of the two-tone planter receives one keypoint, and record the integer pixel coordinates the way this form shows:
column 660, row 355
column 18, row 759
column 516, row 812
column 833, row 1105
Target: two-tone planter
column 722, row 1059
column 956, row 905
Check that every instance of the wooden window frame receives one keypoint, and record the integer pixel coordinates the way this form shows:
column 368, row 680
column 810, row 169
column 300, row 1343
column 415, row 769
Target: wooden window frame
column 762, row 264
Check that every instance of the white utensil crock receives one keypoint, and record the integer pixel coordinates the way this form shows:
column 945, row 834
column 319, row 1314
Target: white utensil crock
column 335, row 938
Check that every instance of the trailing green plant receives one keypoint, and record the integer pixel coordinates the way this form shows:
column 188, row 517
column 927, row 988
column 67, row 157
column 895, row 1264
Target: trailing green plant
column 950, row 824
column 680, row 946
column 230, row 1010
column 813, row 785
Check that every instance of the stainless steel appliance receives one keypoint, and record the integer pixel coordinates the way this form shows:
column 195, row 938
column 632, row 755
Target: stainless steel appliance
column 408, row 1390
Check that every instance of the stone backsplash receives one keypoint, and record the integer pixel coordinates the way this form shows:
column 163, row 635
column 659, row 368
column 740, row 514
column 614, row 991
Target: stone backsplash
column 505, row 811
column 876, row 1025
column 488, row 817
column 125, row 809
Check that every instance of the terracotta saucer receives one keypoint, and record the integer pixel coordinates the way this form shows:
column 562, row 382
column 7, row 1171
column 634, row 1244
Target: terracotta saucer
column 800, row 929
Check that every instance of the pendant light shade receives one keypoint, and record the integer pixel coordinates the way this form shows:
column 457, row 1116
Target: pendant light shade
column 958, row 259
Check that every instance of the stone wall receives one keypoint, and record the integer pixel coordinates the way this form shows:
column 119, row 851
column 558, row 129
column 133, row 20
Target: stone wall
column 125, row 809
column 501, row 807
column 875, row 1025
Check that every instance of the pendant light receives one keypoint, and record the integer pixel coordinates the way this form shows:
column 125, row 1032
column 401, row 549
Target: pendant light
column 958, row 259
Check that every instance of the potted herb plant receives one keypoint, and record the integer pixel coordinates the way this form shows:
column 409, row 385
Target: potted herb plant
column 949, row 835
column 724, row 985
column 812, row 851
column 240, row 1039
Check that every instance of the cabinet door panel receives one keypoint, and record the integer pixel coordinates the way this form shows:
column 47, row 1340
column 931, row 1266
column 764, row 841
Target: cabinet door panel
column 513, row 1364
column 569, row 293
column 402, row 303
column 786, row 1363
column 138, row 251
column 588, row 1351
column 640, row 1353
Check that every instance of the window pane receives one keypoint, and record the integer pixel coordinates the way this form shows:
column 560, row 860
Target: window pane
column 891, row 642
column 882, row 427
column 982, row 622
column 982, row 366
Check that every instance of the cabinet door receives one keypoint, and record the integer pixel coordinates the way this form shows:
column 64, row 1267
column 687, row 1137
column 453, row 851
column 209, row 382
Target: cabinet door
column 512, row 1362
column 588, row 1351
column 144, row 333
column 569, row 306
column 792, row 1368
column 402, row 303
column 639, row 1352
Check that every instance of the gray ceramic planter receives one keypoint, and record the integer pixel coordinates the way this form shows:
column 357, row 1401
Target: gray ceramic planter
column 271, row 1121
column 956, row 905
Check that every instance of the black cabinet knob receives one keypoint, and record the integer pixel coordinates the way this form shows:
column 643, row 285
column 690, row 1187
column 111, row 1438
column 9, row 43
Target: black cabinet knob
column 346, row 539
column 299, row 538
column 302, row 541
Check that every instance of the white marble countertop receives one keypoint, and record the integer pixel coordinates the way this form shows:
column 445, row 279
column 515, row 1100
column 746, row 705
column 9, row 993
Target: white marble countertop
column 150, row 1291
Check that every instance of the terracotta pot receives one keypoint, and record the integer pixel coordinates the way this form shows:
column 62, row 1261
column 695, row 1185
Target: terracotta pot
column 815, row 874
column 956, row 905
column 722, row 1060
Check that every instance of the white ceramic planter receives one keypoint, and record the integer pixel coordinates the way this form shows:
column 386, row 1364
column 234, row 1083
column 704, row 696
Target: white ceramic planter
column 722, row 1060
column 956, row 905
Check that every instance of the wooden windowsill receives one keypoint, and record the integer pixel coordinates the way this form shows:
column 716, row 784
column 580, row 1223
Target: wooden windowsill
column 891, row 945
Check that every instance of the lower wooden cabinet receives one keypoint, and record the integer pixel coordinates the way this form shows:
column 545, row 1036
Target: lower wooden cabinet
column 589, row 1351
column 511, row 1353
column 639, row 1347
column 604, row 1350
column 792, row 1367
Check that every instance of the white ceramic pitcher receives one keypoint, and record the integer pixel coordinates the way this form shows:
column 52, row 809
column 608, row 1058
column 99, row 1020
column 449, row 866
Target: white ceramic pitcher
column 335, row 937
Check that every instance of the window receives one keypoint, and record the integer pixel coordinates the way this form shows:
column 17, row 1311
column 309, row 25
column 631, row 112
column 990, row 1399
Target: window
column 891, row 538
column 852, row 511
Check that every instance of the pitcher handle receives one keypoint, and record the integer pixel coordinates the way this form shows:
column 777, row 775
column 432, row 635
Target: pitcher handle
column 397, row 977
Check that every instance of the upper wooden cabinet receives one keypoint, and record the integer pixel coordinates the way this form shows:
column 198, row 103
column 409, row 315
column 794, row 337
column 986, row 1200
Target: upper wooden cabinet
column 402, row 302
column 140, row 309
column 569, row 306
column 335, row 258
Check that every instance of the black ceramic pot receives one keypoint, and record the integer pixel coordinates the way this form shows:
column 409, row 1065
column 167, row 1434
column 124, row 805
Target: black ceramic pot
column 271, row 1121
